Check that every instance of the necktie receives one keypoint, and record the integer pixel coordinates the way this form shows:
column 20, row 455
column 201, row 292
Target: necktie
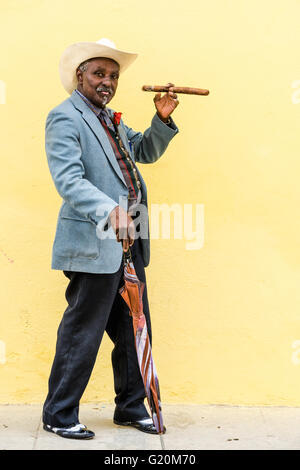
column 103, row 116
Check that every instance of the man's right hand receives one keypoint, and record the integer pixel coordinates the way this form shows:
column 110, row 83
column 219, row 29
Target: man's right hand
column 123, row 226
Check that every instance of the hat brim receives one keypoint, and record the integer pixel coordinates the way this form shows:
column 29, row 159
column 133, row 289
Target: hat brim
column 79, row 52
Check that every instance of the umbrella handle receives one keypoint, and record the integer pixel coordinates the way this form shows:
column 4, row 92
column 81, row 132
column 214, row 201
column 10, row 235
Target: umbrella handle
column 127, row 256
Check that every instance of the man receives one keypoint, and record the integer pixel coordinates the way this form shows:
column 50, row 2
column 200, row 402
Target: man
column 91, row 155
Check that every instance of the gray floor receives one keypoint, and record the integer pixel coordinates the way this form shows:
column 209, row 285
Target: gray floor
column 189, row 427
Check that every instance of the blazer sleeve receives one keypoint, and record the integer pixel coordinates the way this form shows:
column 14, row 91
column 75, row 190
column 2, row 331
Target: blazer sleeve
column 66, row 167
column 150, row 145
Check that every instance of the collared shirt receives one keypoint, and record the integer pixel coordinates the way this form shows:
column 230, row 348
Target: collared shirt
column 98, row 111
column 124, row 160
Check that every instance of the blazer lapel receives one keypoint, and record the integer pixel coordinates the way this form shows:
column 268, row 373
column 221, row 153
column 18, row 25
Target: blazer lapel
column 93, row 122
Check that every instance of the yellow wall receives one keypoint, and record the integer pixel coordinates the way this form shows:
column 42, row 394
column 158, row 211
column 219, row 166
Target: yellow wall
column 225, row 317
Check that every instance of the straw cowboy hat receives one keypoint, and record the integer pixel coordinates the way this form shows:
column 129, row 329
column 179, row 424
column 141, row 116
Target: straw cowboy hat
column 79, row 52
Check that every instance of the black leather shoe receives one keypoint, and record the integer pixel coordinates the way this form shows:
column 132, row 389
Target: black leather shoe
column 144, row 425
column 79, row 431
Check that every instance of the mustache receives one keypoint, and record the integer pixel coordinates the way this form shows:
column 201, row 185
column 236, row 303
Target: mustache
column 102, row 88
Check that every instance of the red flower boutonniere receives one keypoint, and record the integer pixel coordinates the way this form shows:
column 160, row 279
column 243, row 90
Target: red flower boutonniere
column 117, row 118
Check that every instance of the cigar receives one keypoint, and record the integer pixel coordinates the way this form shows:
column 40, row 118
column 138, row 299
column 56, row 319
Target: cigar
column 176, row 89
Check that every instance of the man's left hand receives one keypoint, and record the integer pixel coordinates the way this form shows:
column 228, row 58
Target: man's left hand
column 166, row 104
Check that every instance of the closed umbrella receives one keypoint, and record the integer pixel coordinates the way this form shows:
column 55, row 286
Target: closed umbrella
column 132, row 293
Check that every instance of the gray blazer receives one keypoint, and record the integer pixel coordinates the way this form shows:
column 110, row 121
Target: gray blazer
column 87, row 176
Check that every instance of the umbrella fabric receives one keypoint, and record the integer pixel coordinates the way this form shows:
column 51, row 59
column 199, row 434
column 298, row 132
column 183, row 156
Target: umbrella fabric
column 132, row 293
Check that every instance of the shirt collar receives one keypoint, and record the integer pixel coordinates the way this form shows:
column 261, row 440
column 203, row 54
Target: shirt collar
column 94, row 108
column 98, row 111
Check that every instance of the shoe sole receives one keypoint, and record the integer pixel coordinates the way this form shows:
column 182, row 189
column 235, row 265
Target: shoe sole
column 136, row 426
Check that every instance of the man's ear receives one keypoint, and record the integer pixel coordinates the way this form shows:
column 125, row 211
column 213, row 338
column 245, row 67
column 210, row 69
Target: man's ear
column 79, row 76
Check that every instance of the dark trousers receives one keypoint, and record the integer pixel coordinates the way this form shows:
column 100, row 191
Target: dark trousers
column 95, row 306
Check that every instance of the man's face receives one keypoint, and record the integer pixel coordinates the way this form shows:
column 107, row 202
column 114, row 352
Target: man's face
column 100, row 81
